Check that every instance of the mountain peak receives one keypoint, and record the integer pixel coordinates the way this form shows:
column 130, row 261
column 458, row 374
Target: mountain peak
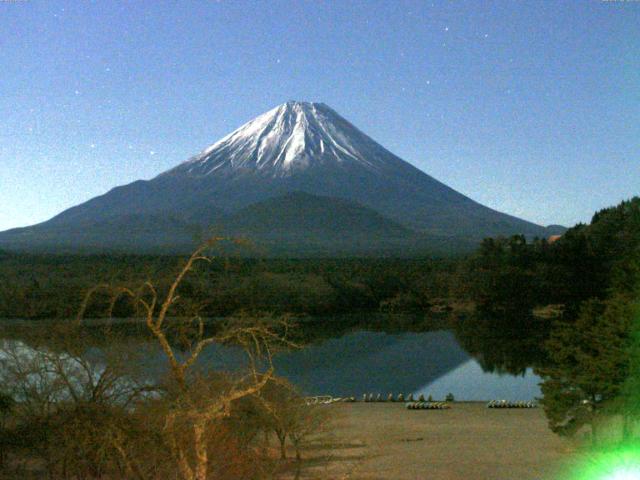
column 302, row 104
column 289, row 138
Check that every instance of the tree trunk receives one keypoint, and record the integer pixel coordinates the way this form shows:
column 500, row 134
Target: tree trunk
column 265, row 442
column 283, row 446
column 626, row 427
column 183, row 465
column 298, row 469
column 295, row 440
column 200, row 444
column 594, row 421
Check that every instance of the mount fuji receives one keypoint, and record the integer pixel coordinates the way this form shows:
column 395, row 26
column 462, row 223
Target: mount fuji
column 298, row 179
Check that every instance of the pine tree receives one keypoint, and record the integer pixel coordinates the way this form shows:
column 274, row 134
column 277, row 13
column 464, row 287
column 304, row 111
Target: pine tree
column 630, row 393
column 590, row 364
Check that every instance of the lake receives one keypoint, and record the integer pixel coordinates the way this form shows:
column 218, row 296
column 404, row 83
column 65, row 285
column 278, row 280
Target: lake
column 354, row 363
column 429, row 363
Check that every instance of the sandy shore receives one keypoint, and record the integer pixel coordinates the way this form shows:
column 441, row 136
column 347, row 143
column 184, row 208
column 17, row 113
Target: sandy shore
column 468, row 442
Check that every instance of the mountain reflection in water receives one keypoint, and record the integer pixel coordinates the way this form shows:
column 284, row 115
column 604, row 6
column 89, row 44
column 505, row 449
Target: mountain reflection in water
column 362, row 361
column 375, row 362
column 469, row 382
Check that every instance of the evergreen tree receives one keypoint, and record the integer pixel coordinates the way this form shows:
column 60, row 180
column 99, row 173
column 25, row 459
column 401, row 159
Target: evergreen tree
column 630, row 393
column 590, row 364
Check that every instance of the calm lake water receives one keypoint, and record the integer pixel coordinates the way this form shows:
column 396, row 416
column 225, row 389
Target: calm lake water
column 429, row 363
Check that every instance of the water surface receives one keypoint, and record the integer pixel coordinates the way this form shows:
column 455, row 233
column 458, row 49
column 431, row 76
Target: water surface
column 430, row 363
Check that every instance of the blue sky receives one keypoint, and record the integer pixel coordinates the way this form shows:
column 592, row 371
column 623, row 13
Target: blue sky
column 532, row 108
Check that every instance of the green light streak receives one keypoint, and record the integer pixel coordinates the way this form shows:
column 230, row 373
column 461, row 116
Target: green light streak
column 620, row 463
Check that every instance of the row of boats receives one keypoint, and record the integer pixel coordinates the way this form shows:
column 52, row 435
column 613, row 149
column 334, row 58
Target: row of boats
column 428, row 405
column 413, row 404
column 399, row 398
column 507, row 404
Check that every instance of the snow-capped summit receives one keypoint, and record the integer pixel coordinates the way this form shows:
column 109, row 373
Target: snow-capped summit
column 289, row 138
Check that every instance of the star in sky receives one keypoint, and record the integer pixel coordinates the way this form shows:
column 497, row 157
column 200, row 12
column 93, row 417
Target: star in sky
column 571, row 127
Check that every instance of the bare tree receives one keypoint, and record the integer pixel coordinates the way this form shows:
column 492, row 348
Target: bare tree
column 193, row 406
column 69, row 405
column 86, row 412
column 289, row 416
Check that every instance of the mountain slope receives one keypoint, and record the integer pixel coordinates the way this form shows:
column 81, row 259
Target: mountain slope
column 296, row 147
column 144, row 232
column 311, row 216
column 301, row 224
column 295, row 224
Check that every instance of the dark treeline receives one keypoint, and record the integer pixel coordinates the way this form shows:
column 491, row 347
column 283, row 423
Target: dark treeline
column 52, row 286
column 587, row 262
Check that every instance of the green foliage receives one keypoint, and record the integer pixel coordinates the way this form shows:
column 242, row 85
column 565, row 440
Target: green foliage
column 503, row 274
column 588, row 261
column 595, row 349
column 629, row 401
column 590, row 363
column 504, row 342
column 50, row 286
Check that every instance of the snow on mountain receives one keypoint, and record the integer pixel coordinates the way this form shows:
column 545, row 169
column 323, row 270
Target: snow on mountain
column 287, row 139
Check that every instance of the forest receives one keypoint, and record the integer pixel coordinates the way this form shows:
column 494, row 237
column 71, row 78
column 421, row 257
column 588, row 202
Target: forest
column 52, row 286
